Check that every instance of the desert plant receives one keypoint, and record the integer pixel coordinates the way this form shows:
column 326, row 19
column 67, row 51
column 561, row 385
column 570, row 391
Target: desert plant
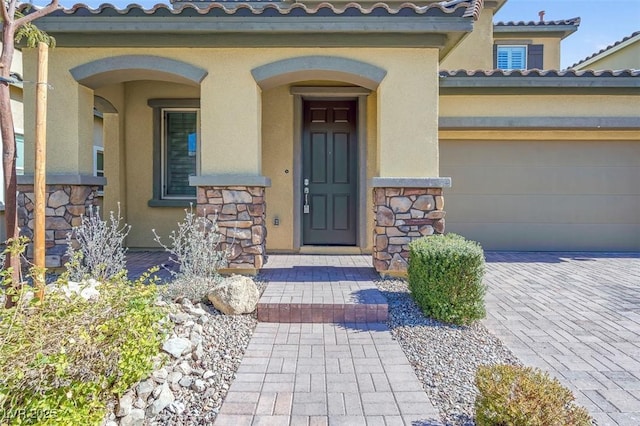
column 95, row 248
column 515, row 395
column 195, row 248
column 64, row 358
column 445, row 278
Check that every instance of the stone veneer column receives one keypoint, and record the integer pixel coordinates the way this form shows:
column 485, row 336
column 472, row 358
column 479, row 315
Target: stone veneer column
column 405, row 209
column 65, row 206
column 240, row 211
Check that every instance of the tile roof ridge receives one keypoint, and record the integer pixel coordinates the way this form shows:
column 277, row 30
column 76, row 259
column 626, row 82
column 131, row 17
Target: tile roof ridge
column 611, row 46
column 539, row 73
column 472, row 8
column 570, row 21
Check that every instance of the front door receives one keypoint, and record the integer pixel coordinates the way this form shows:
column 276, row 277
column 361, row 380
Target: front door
column 329, row 173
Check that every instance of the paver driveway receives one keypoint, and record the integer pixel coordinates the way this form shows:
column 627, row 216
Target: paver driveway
column 577, row 316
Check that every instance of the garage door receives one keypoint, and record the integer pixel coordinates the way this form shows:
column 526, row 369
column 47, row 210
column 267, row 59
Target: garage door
column 544, row 195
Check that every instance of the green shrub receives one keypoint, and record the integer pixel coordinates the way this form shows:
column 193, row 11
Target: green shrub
column 512, row 395
column 63, row 359
column 445, row 278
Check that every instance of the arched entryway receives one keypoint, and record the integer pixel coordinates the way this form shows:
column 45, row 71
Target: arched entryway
column 318, row 114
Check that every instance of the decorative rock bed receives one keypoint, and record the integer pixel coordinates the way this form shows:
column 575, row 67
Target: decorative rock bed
column 444, row 357
column 202, row 355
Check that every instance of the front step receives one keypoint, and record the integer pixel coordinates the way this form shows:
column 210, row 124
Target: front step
column 322, row 313
column 321, row 289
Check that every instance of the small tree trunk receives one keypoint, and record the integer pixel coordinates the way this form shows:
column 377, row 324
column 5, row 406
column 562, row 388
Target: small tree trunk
column 9, row 156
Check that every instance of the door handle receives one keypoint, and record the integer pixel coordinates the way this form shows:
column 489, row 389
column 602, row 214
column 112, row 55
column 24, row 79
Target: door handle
column 305, row 207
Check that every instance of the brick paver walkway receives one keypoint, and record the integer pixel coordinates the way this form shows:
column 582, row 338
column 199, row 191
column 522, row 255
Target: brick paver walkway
column 577, row 316
column 298, row 370
column 325, row 374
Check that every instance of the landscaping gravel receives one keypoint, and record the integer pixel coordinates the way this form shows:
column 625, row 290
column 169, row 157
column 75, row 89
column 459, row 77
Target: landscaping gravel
column 444, row 357
column 202, row 355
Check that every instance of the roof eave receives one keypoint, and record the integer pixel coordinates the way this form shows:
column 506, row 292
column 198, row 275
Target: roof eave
column 561, row 31
column 440, row 32
column 540, row 82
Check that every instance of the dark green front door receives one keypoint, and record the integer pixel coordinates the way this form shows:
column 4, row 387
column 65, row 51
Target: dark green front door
column 329, row 173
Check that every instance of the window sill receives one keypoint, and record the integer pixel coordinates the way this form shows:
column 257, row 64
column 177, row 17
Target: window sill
column 171, row 203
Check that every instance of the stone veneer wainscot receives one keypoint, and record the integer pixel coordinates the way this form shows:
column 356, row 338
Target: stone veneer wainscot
column 240, row 215
column 64, row 207
column 404, row 211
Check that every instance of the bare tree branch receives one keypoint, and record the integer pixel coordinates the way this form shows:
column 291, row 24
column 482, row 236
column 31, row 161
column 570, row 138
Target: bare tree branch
column 6, row 17
column 37, row 14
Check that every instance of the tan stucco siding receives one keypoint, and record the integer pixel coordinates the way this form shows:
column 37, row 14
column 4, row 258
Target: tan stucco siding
column 538, row 106
column 528, row 193
column 277, row 158
column 278, row 163
column 476, row 50
column 138, row 152
column 233, row 130
column 114, row 145
column 618, row 59
column 230, row 94
column 408, row 116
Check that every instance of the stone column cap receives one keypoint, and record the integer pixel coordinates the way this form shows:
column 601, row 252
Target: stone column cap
column 410, row 182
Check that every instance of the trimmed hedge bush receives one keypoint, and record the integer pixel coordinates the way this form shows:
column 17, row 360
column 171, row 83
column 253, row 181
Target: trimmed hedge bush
column 445, row 278
column 513, row 395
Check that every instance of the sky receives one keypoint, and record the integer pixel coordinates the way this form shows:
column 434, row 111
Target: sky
column 603, row 22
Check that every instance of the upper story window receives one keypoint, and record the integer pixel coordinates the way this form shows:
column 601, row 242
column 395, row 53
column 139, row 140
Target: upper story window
column 512, row 57
column 176, row 153
column 518, row 57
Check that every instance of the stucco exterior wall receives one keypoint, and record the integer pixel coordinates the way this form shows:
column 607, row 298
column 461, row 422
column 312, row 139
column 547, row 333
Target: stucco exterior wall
column 238, row 123
column 544, row 105
column 476, row 50
column 138, row 135
column 69, row 115
column 620, row 59
column 278, row 158
column 544, row 190
column 114, row 144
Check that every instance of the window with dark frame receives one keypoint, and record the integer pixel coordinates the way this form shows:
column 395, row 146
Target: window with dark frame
column 518, row 56
column 176, row 153
column 98, row 165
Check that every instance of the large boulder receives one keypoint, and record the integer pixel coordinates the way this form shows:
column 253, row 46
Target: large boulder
column 234, row 295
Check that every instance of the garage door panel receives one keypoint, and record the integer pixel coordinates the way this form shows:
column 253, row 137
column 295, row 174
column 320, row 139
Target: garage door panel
column 592, row 209
column 544, row 195
column 544, row 180
column 550, row 237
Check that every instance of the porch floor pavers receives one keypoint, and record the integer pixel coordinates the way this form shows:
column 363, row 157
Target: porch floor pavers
column 321, row 289
column 576, row 316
